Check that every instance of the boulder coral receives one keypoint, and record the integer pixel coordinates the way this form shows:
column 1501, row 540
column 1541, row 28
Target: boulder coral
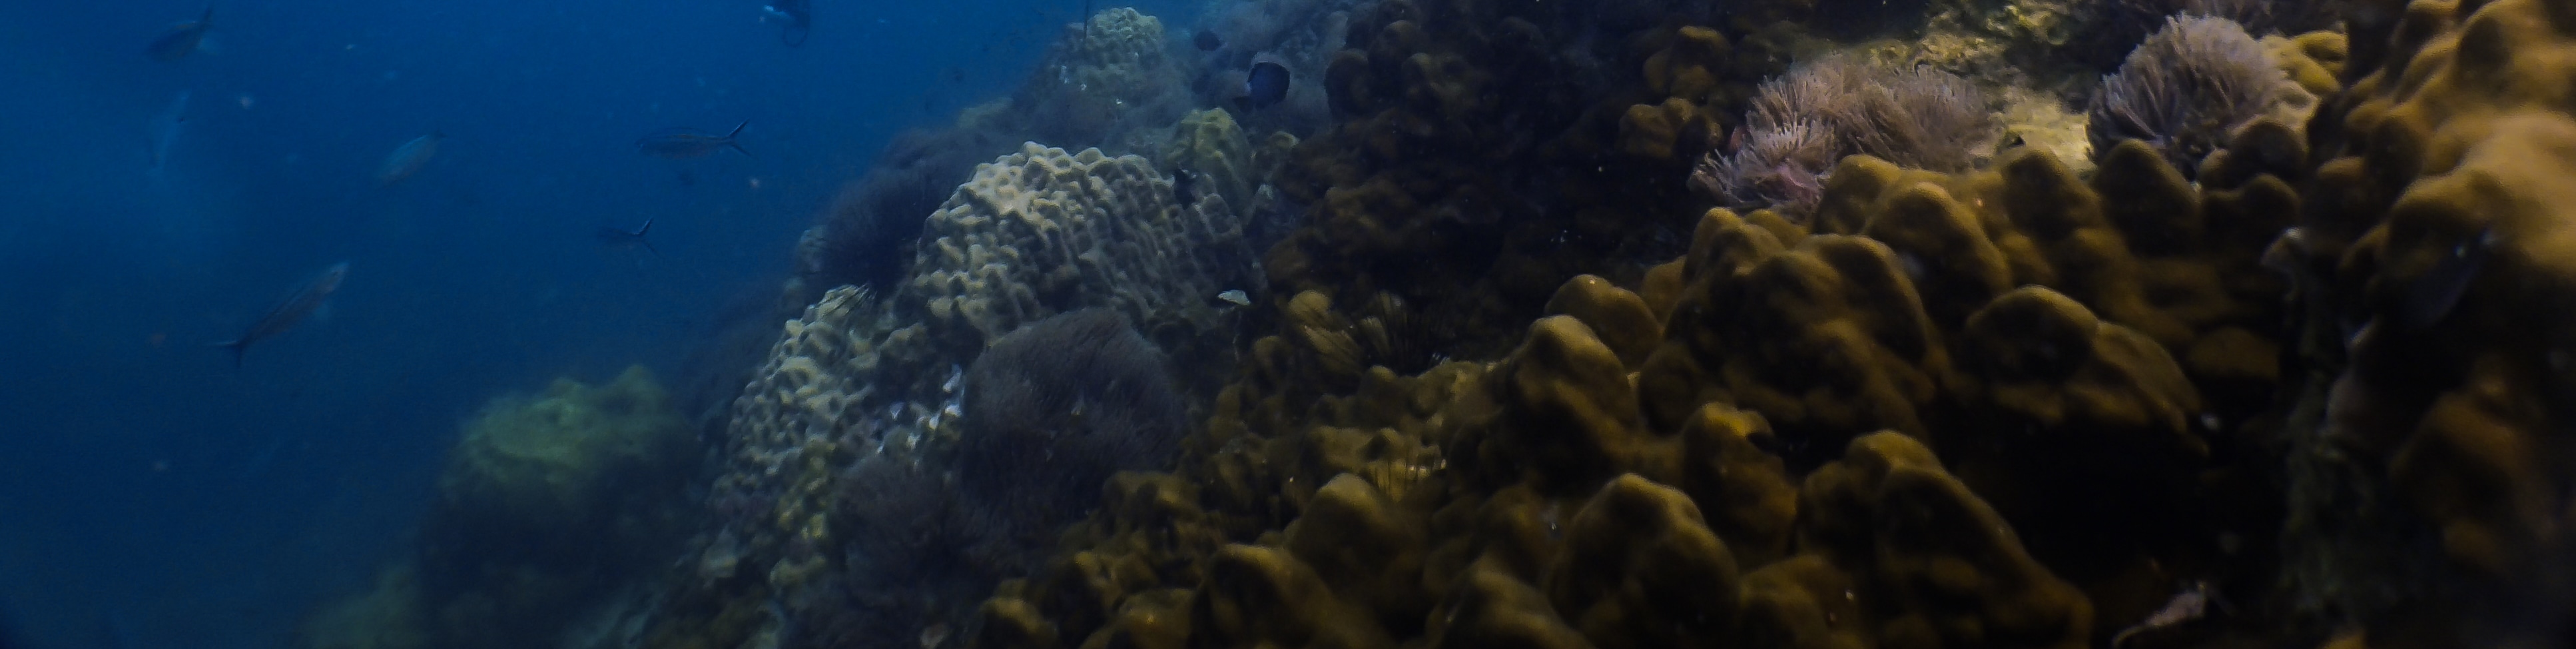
column 1948, row 412
column 854, row 416
column 2432, row 490
column 545, row 503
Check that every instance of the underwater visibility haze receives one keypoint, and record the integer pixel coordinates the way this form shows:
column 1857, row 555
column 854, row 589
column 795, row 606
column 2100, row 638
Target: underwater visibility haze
column 1012, row 324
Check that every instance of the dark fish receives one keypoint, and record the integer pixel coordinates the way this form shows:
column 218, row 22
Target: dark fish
column 1207, row 40
column 408, row 159
column 799, row 15
column 625, row 238
column 1183, row 182
column 165, row 131
column 2430, row 296
column 289, row 312
column 182, row 39
column 1264, row 85
column 684, row 143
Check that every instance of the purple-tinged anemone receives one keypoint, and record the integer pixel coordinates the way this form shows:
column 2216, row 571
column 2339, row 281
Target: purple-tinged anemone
column 2184, row 89
column 1802, row 124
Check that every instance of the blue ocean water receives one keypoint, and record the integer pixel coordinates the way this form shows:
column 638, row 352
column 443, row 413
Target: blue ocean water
column 151, row 494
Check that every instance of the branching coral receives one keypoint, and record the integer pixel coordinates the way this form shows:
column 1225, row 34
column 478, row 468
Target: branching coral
column 1823, row 110
column 2185, row 89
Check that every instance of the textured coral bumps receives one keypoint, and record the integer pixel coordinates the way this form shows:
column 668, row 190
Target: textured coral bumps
column 2444, row 248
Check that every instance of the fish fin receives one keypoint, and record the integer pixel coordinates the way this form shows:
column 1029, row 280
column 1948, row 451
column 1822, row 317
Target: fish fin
column 206, row 19
column 737, row 129
column 737, row 147
column 648, row 247
column 647, row 227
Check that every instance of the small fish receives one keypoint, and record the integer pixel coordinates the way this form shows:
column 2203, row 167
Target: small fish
column 1236, row 296
column 165, row 131
column 2431, row 296
column 408, row 159
column 624, row 238
column 1264, row 85
column 678, row 144
column 1183, row 185
column 934, row 634
column 287, row 313
column 182, row 39
column 799, row 15
column 1207, row 40
column 2191, row 604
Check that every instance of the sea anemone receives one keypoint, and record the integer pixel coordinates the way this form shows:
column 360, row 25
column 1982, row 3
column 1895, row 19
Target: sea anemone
column 1051, row 410
column 1801, row 124
column 2184, row 89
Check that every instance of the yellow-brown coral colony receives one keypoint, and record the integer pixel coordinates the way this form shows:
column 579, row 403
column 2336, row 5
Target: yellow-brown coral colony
column 1505, row 381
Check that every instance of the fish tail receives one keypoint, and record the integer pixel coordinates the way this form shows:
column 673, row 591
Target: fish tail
column 737, row 148
column 737, row 129
column 207, row 19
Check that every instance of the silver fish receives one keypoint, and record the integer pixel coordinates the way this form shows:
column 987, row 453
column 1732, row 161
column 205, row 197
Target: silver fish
column 687, row 143
column 624, row 238
column 287, row 313
column 408, row 159
column 165, row 131
column 182, row 39
column 1236, row 296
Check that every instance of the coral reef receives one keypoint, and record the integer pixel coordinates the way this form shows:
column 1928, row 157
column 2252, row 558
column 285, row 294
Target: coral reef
column 1485, row 152
column 1301, row 35
column 1105, row 77
column 1744, row 447
column 547, row 503
column 842, row 451
column 1106, row 83
column 2430, row 489
column 1051, row 411
column 2018, row 401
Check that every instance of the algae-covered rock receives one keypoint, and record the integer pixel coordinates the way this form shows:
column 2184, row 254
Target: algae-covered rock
column 568, row 460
